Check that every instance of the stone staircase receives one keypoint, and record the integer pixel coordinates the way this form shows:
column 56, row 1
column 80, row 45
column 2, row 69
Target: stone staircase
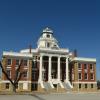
column 50, row 88
column 68, row 86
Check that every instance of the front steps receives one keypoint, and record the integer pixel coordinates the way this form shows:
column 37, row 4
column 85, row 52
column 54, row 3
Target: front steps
column 49, row 87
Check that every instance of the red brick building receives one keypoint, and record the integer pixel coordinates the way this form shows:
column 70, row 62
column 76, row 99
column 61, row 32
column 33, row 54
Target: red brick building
column 49, row 68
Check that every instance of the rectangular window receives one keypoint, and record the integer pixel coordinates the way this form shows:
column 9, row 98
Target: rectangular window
column 85, row 76
column 7, row 85
column 85, row 85
column 91, row 76
column 25, row 74
column 79, row 76
column 79, row 66
column 91, row 66
column 48, row 45
column 17, row 62
column 33, row 75
column 8, row 72
column 91, row 85
column 85, row 66
column 25, row 62
column 48, row 36
column 79, row 86
column 9, row 62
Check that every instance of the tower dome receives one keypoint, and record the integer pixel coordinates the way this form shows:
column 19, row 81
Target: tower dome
column 47, row 30
column 47, row 39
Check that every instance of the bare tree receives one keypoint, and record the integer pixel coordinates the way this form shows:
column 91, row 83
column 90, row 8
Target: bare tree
column 17, row 77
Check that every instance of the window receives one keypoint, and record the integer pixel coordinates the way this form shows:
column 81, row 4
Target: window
column 91, row 76
column 7, row 85
column 85, row 66
column 55, row 45
column 48, row 36
column 91, row 85
column 48, row 44
column 91, row 66
column 33, row 75
column 9, row 62
column 85, row 85
column 79, row 76
column 8, row 72
column 25, row 62
column 79, row 66
column 25, row 74
column 85, row 76
column 79, row 86
column 17, row 62
column 34, row 64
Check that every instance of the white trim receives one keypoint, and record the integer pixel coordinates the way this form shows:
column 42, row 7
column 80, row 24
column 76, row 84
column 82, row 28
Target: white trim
column 54, row 55
column 78, row 76
column 93, row 76
column 15, row 54
column 63, row 51
column 6, row 81
column 92, row 67
column 7, row 61
column 28, row 50
column 79, row 69
column 85, row 82
column 84, row 59
column 84, row 76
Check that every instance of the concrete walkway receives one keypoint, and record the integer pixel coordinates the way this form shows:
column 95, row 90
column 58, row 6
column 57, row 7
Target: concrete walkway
column 68, row 96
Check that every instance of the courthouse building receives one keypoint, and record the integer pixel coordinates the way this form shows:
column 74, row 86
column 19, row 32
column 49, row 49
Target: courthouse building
column 49, row 68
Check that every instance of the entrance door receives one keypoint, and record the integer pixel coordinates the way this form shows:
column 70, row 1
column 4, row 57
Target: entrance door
column 34, row 86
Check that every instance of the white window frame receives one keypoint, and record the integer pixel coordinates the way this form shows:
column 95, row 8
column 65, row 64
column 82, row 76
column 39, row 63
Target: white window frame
column 10, row 63
column 27, row 62
column 90, row 76
column 84, row 76
column 92, row 67
column 19, row 62
column 5, row 86
column 80, row 66
column 47, row 44
column 26, row 74
column 78, row 76
column 9, row 73
column 86, row 67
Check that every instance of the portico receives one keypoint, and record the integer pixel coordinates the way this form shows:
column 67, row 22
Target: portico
column 53, row 69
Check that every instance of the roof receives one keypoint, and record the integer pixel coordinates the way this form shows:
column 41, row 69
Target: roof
column 84, row 59
column 47, row 30
column 15, row 54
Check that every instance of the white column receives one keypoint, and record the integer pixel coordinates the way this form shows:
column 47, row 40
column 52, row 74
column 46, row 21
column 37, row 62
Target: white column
column 67, row 72
column 58, row 69
column 49, row 69
column 40, row 70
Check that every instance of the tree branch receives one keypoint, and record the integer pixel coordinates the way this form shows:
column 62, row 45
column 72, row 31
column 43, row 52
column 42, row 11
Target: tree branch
column 5, row 73
column 18, row 71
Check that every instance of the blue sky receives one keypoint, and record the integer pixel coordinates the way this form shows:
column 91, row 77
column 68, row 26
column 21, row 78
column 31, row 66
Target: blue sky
column 76, row 24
